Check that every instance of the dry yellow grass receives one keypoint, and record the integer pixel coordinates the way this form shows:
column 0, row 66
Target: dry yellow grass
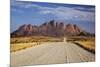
column 88, row 44
column 20, row 43
column 21, row 46
column 33, row 39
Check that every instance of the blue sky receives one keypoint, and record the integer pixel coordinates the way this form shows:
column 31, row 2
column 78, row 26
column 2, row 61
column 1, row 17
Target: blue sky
column 36, row 13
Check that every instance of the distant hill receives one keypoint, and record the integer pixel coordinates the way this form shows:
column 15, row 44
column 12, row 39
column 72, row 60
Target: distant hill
column 51, row 28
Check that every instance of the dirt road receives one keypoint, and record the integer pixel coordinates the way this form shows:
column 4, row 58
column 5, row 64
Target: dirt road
column 51, row 53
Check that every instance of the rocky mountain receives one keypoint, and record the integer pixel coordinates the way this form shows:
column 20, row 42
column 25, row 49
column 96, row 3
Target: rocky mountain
column 51, row 28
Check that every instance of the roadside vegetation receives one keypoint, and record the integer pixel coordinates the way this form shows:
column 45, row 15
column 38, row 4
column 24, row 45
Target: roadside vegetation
column 88, row 43
column 20, row 43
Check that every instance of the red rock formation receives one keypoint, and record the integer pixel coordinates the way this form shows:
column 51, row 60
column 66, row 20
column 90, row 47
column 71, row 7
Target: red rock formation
column 51, row 28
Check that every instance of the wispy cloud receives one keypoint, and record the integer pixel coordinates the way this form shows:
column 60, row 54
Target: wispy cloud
column 84, row 8
column 60, row 12
column 68, row 13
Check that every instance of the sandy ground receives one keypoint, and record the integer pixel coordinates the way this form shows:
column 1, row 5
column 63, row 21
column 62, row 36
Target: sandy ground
column 51, row 53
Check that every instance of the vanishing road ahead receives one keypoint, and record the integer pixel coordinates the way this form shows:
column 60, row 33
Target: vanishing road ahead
column 51, row 53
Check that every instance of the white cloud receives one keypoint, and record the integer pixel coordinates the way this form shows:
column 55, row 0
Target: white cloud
column 16, row 10
column 69, row 13
column 61, row 12
column 83, row 8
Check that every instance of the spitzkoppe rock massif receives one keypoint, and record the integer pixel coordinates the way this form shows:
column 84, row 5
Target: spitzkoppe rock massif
column 51, row 28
